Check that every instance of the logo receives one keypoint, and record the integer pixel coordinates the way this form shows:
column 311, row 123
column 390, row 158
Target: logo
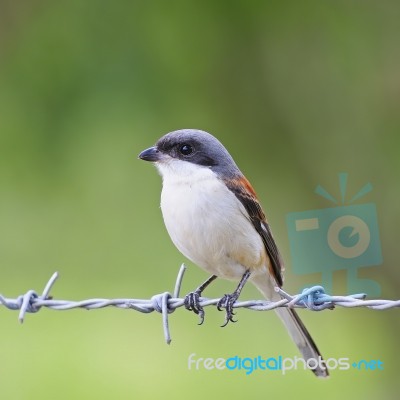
column 344, row 237
column 279, row 364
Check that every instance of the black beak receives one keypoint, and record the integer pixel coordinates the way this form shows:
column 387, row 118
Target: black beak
column 151, row 154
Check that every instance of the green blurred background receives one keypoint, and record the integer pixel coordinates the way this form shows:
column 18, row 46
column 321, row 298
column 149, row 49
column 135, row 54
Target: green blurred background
column 297, row 91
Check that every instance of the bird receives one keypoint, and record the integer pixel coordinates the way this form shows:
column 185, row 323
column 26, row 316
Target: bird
column 214, row 218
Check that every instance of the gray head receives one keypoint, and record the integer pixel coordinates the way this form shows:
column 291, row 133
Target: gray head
column 193, row 146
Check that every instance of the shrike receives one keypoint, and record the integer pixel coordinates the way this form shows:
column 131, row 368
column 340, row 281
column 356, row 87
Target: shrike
column 214, row 218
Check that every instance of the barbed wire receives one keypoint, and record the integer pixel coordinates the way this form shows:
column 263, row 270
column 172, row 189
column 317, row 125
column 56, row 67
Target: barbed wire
column 314, row 299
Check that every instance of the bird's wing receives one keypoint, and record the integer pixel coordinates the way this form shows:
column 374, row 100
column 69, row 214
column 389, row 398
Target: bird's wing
column 243, row 190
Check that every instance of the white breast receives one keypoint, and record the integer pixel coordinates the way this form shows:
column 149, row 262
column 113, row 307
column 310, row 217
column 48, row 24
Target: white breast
column 207, row 223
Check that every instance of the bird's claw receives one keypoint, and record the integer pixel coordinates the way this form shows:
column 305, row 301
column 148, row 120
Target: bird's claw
column 227, row 302
column 192, row 303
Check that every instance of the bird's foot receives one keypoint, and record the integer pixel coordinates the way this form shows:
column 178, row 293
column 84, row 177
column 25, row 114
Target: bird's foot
column 192, row 303
column 192, row 300
column 227, row 302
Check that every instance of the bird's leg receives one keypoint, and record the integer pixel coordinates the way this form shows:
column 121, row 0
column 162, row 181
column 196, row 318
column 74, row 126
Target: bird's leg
column 228, row 300
column 192, row 300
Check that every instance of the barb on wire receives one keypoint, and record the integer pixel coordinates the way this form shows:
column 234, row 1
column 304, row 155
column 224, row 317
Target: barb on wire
column 314, row 299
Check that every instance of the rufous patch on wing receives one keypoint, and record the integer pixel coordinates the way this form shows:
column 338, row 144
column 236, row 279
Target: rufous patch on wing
column 243, row 190
column 244, row 182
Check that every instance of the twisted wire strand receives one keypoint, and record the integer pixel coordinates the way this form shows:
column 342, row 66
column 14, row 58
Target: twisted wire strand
column 314, row 299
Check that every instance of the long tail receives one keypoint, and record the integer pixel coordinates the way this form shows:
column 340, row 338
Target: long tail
column 303, row 340
column 297, row 331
